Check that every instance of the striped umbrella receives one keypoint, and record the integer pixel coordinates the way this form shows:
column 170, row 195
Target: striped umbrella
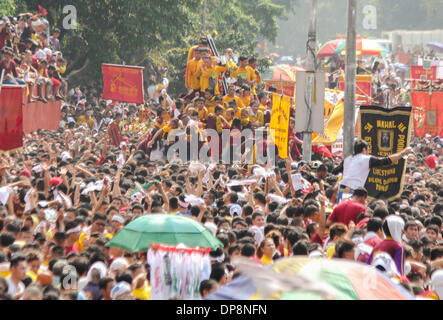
column 281, row 72
column 327, row 50
column 364, row 47
column 302, row 278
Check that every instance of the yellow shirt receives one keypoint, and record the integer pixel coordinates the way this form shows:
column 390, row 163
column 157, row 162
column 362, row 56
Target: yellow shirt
column 253, row 77
column 241, row 74
column 203, row 113
column 192, row 80
column 257, row 117
column 32, row 275
column 246, row 100
column 266, row 261
column 209, row 77
column 331, row 251
column 227, row 98
column 210, row 105
column 262, row 108
column 143, row 293
column 61, row 69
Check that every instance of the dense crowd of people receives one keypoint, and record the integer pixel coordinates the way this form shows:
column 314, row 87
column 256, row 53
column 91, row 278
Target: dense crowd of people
column 68, row 192
column 32, row 56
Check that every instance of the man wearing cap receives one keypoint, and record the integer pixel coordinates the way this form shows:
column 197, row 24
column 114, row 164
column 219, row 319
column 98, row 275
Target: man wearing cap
column 356, row 167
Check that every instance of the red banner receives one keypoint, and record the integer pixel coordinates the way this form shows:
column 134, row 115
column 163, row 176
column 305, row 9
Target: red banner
column 427, row 113
column 123, row 83
column 115, row 134
column 363, row 88
column 286, row 88
column 39, row 115
column 11, row 120
column 418, row 73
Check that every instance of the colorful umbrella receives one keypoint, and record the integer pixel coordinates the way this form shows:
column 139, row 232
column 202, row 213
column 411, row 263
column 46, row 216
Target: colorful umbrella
column 163, row 229
column 301, row 278
column 281, row 72
column 436, row 46
column 365, row 47
column 327, row 50
column 286, row 59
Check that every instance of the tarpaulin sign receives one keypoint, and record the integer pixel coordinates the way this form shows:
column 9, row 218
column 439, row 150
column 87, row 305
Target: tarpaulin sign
column 123, row 83
column 419, row 73
column 11, row 117
column 387, row 131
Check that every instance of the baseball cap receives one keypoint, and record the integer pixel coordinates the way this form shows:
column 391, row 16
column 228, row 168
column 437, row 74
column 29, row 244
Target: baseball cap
column 235, row 210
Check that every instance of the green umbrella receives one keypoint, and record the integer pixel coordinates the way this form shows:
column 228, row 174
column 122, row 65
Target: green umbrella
column 163, row 229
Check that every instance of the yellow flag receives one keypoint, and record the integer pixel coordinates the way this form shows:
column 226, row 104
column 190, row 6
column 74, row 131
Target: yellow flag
column 332, row 127
column 279, row 125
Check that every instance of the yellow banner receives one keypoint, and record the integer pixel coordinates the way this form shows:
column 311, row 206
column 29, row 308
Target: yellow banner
column 279, row 125
column 332, row 127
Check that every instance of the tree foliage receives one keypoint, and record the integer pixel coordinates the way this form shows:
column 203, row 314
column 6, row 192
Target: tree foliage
column 154, row 33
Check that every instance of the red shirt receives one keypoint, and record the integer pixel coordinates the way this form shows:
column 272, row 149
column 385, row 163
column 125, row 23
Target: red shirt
column 432, row 162
column 346, row 212
column 9, row 69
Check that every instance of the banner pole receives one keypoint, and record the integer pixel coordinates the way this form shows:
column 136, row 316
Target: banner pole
column 1, row 80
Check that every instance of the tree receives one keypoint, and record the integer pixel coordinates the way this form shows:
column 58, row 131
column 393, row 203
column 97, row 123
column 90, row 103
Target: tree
column 155, row 33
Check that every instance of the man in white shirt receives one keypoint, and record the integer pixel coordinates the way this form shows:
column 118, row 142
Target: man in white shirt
column 356, row 167
column 17, row 267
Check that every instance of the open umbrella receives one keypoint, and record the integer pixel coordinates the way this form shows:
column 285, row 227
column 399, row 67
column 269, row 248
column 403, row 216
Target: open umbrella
column 281, row 72
column 364, row 47
column 300, row 278
column 327, row 50
column 400, row 66
column 286, row 59
column 163, row 229
column 436, row 46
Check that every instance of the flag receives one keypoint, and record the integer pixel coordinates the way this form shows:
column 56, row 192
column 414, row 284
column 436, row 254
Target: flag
column 123, row 83
column 427, row 113
column 145, row 187
column 387, row 131
column 280, row 123
column 332, row 127
column 363, row 88
column 11, row 118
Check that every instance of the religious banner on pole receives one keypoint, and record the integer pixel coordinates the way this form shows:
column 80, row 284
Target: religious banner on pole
column 279, row 125
column 363, row 88
column 427, row 113
column 387, row 131
column 123, row 83
column 11, row 117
